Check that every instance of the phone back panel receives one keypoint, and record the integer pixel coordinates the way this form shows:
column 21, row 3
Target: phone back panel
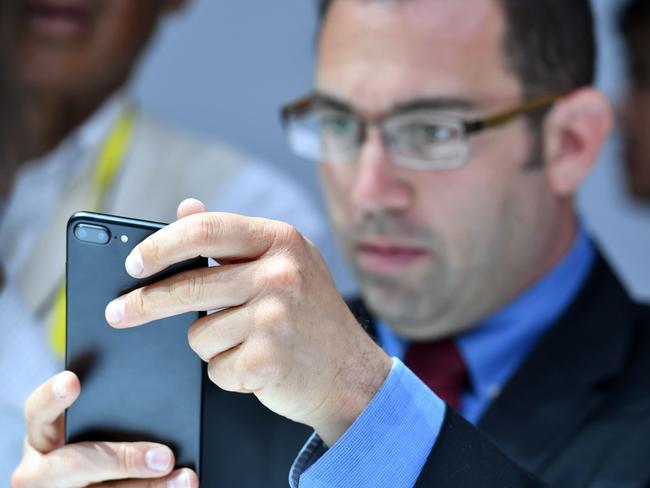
column 140, row 384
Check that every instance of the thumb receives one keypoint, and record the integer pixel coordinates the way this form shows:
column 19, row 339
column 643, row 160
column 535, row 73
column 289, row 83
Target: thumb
column 190, row 206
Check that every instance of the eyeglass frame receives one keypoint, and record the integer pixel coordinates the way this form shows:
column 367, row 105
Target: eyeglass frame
column 305, row 104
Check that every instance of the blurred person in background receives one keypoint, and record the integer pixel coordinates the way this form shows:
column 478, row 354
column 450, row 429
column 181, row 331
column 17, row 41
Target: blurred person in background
column 78, row 142
column 24, row 355
column 635, row 27
column 452, row 146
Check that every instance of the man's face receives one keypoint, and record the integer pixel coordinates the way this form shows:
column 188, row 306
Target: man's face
column 434, row 251
column 72, row 47
column 636, row 117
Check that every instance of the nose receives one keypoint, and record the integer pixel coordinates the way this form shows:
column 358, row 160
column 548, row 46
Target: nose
column 379, row 183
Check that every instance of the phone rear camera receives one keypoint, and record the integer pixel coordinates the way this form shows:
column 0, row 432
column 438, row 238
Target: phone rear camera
column 92, row 234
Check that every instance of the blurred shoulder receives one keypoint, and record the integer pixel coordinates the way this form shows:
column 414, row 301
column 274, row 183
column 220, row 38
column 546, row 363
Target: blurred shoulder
column 227, row 178
column 173, row 145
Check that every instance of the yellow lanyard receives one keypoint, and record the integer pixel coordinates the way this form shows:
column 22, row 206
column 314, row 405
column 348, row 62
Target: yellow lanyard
column 107, row 166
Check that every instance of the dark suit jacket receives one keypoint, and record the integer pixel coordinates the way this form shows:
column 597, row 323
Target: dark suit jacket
column 576, row 413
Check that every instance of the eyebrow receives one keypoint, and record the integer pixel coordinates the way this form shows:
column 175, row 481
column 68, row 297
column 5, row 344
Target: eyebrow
column 442, row 103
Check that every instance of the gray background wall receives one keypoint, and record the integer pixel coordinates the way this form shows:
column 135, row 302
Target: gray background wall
column 223, row 68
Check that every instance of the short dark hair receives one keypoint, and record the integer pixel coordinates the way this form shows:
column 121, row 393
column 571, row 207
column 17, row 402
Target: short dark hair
column 550, row 44
column 635, row 16
column 635, row 26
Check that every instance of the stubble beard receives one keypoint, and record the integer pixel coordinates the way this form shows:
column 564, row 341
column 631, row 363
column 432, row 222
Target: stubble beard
column 411, row 302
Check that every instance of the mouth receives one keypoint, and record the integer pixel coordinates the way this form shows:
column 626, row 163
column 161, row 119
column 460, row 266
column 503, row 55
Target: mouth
column 58, row 18
column 387, row 257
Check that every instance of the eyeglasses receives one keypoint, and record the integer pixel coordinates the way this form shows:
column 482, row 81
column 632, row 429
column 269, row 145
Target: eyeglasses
column 420, row 136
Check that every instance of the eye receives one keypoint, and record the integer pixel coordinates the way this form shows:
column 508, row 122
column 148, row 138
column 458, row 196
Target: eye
column 338, row 124
column 427, row 133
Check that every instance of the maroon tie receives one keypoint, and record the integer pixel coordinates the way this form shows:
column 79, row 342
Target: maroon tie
column 440, row 366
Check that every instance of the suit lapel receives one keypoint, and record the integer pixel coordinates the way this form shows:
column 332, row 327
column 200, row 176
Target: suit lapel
column 565, row 378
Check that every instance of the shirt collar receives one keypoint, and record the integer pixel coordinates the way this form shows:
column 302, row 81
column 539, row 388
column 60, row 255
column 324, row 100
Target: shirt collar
column 496, row 347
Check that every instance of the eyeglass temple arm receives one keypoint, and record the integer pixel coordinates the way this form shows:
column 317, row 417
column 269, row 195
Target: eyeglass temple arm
column 299, row 106
column 506, row 116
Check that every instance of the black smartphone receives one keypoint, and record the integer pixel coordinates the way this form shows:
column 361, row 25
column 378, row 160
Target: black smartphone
column 139, row 384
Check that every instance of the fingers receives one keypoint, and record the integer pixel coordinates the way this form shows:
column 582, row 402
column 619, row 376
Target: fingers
column 222, row 371
column 190, row 206
column 220, row 332
column 191, row 291
column 44, row 411
column 94, row 462
column 182, row 478
column 216, row 235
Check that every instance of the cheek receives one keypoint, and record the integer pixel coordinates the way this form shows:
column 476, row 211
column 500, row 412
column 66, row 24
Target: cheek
column 337, row 182
column 468, row 207
column 458, row 198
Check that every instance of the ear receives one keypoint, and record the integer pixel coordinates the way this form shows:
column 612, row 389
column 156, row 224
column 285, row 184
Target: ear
column 574, row 134
column 175, row 6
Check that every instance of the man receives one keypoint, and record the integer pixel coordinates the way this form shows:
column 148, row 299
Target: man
column 635, row 26
column 453, row 136
column 78, row 142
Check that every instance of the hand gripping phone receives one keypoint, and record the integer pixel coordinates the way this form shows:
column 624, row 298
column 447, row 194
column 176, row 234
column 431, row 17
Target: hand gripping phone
column 139, row 384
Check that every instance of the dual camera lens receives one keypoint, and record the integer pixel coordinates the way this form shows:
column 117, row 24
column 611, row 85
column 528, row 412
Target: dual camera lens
column 92, row 234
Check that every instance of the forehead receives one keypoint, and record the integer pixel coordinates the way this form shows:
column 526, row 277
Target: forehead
column 381, row 53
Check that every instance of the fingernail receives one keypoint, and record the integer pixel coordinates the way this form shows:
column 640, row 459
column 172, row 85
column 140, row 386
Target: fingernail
column 59, row 387
column 181, row 480
column 115, row 311
column 158, row 459
column 134, row 265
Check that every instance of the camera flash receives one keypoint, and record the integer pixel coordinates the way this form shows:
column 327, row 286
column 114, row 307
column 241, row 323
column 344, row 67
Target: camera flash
column 124, row 238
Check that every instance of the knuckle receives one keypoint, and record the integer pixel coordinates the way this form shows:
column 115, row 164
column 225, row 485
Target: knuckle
column 283, row 273
column 271, row 314
column 291, row 236
column 204, row 229
column 187, row 289
column 285, row 237
column 128, row 458
column 138, row 302
column 256, row 361
column 151, row 248
column 226, row 377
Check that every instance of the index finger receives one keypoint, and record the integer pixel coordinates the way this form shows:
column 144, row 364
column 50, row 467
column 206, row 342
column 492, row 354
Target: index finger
column 221, row 236
column 44, row 411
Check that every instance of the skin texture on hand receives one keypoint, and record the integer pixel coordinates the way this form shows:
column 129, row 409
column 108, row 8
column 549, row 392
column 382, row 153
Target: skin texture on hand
column 47, row 462
column 282, row 331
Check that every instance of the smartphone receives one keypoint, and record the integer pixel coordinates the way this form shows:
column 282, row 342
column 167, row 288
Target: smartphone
column 139, row 384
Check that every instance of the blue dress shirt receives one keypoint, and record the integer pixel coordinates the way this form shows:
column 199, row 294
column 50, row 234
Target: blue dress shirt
column 389, row 443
